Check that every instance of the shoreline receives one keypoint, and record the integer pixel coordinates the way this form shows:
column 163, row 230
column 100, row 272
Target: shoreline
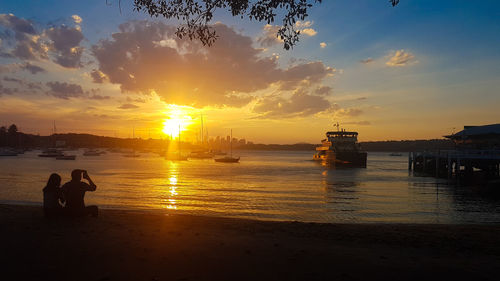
column 135, row 245
column 167, row 212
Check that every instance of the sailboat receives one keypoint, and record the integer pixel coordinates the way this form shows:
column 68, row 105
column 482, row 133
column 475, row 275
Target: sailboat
column 201, row 153
column 56, row 153
column 178, row 157
column 229, row 159
column 133, row 154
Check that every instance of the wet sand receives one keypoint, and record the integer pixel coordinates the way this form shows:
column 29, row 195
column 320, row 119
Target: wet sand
column 131, row 245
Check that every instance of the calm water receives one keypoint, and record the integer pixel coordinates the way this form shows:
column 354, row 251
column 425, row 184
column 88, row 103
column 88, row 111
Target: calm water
column 265, row 185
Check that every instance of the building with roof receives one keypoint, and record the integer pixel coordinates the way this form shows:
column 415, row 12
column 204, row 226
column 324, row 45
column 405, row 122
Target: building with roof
column 477, row 137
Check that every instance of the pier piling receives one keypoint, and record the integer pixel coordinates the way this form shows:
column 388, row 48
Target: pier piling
column 448, row 163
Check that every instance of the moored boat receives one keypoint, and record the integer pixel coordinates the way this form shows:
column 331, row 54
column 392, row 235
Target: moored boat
column 93, row 152
column 8, row 152
column 201, row 154
column 66, row 157
column 341, row 148
column 227, row 159
column 51, row 152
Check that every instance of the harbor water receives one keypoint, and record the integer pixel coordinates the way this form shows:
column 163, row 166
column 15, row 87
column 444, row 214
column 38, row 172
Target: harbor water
column 268, row 185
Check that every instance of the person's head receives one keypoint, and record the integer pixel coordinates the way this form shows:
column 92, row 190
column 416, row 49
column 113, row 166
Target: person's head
column 76, row 175
column 54, row 180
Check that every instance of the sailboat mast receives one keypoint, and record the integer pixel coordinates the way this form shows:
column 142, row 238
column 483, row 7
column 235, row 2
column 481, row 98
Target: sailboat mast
column 231, row 142
column 202, row 129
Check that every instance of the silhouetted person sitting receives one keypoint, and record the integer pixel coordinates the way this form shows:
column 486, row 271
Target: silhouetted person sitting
column 74, row 193
column 52, row 195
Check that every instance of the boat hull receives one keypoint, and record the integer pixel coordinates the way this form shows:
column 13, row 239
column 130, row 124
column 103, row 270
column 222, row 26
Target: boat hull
column 66, row 157
column 227, row 160
column 347, row 158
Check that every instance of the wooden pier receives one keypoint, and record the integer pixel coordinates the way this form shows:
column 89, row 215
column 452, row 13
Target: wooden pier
column 456, row 163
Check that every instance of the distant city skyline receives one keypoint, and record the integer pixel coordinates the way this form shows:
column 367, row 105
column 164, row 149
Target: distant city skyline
column 419, row 70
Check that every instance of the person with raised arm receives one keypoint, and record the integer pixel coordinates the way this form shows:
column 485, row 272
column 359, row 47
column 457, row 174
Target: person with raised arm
column 74, row 194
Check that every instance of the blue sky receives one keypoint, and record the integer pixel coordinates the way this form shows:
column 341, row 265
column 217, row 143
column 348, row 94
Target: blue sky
column 417, row 70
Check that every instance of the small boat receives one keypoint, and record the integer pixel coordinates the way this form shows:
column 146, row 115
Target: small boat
column 228, row 159
column 217, row 152
column 201, row 154
column 66, row 157
column 93, row 152
column 7, row 152
column 51, row 152
column 395, row 154
column 132, row 155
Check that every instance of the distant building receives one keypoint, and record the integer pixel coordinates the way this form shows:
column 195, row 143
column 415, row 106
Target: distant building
column 477, row 137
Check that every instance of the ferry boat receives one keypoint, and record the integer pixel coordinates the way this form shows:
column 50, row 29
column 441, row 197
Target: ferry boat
column 341, row 148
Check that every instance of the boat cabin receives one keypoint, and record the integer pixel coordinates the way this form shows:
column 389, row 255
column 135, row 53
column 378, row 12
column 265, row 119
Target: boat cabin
column 340, row 141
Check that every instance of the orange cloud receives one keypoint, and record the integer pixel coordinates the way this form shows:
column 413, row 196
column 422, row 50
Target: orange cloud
column 401, row 58
column 187, row 73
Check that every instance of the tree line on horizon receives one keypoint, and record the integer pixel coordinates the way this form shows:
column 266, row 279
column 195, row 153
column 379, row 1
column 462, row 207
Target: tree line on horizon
column 11, row 137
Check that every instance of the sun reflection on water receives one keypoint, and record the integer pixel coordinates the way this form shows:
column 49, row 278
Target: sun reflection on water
column 172, row 184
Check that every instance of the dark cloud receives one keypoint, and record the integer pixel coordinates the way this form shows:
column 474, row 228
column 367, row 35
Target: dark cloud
column 24, row 85
column 300, row 104
column 97, row 76
column 99, row 97
column 145, row 57
column 6, row 55
column 128, row 106
column 129, row 99
column 323, row 91
column 367, row 61
column 21, row 27
column 33, row 85
column 34, row 69
column 304, row 74
column 7, row 91
column 26, row 39
column 361, row 123
column 64, row 90
column 66, row 45
column 12, row 79
column 24, row 50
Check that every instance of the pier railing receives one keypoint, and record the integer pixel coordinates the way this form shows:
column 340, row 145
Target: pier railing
column 466, row 154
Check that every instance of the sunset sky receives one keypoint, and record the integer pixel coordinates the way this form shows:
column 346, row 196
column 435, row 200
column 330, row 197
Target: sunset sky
column 415, row 71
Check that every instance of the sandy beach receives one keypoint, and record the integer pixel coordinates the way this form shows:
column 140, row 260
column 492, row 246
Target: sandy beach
column 132, row 245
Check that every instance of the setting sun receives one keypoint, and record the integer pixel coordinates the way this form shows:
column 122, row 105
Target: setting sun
column 177, row 120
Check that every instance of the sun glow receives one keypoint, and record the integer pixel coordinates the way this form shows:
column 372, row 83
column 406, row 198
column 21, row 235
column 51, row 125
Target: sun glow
column 177, row 120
